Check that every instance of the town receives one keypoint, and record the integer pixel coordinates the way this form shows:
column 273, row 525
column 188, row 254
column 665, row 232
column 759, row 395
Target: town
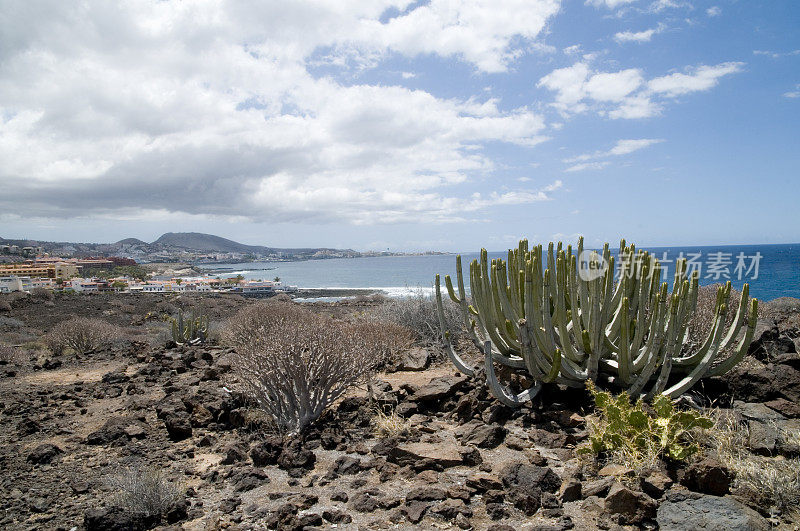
column 123, row 275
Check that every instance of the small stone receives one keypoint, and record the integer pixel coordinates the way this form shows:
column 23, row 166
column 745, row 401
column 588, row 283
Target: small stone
column 708, row 476
column 570, row 490
column 615, row 470
column 44, row 454
column 632, row 507
column 655, row 484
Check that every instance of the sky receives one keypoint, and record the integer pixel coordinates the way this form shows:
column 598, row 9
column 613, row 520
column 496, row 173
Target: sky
column 393, row 124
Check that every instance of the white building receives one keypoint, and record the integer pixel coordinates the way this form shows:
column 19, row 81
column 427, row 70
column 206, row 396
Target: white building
column 9, row 284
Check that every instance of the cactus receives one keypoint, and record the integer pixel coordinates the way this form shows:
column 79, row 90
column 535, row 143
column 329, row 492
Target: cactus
column 189, row 331
column 536, row 314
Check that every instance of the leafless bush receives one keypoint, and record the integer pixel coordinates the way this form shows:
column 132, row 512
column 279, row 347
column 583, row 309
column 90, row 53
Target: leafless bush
column 81, row 334
column 5, row 306
column 295, row 363
column 419, row 314
column 383, row 339
column 784, row 310
column 42, row 294
column 703, row 319
column 144, row 491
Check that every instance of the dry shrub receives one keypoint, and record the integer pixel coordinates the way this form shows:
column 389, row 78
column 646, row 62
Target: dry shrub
column 7, row 354
column 5, row 306
column 419, row 314
column 42, row 294
column 82, row 335
column 384, row 339
column 703, row 319
column 768, row 481
column 784, row 310
column 294, row 363
column 389, row 424
column 144, row 491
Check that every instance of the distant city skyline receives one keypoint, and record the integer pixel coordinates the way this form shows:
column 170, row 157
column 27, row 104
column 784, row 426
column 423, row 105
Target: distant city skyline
column 404, row 125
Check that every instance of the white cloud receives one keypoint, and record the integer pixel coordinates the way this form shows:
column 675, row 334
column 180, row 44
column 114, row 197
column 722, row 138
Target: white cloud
column 622, row 147
column 588, row 166
column 638, row 36
column 625, row 147
column 568, row 83
column 613, row 86
column 211, row 109
column 793, row 93
column 776, row 55
column 610, row 4
column 701, row 78
column 661, row 5
column 714, row 11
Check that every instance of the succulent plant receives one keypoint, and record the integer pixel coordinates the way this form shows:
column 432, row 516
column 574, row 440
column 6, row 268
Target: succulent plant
column 192, row 330
column 540, row 316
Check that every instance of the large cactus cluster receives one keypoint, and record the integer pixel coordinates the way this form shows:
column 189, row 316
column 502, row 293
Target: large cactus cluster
column 540, row 316
column 190, row 330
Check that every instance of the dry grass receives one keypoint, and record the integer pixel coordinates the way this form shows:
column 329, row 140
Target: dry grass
column 82, row 335
column 294, row 363
column 768, row 481
column 144, row 491
column 389, row 424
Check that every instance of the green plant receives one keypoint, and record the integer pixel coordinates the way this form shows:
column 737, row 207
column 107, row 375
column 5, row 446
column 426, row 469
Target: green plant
column 549, row 318
column 191, row 330
column 636, row 435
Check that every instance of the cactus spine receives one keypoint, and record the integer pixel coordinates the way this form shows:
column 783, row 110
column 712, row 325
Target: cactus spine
column 189, row 331
column 537, row 314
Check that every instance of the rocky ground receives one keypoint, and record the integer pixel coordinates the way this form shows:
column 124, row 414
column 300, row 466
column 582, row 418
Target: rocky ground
column 456, row 458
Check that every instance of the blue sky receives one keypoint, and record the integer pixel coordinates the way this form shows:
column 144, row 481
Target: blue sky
column 403, row 125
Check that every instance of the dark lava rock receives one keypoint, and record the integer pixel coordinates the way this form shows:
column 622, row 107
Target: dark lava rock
column 346, row 465
column 524, row 475
column 233, row 454
column 481, row 435
column 426, row 494
column 709, row 513
column 571, row 490
column 113, row 429
column 525, row 483
column 296, row 458
column 655, row 484
column 449, row 509
column 266, row 452
column 439, row 388
column 483, row 481
column 415, row 510
column 414, row 359
column 340, row 496
column 708, row 476
column 335, row 516
column 117, row 519
column 44, row 454
column 366, row 501
column 27, row 427
column 632, row 507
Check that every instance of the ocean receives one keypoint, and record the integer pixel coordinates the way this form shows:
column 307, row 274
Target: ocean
column 771, row 270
